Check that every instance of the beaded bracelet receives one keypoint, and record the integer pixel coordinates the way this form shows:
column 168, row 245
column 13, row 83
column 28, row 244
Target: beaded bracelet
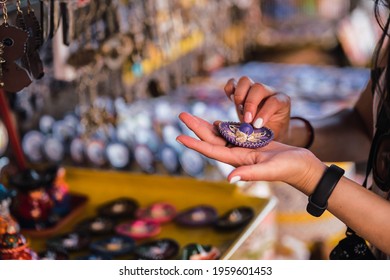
column 310, row 130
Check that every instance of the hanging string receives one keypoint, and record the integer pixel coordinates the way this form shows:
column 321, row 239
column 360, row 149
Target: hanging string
column 5, row 11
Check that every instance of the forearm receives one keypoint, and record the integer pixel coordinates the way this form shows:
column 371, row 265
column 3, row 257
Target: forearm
column 341, row 137
column 360, row 209
column 363, row 211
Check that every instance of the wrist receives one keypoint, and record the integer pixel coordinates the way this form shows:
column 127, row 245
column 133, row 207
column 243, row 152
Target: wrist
column 318, row 199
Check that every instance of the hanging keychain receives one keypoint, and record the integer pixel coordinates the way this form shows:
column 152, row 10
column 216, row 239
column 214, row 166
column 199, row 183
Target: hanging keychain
column 13, row 41
column 34, row 42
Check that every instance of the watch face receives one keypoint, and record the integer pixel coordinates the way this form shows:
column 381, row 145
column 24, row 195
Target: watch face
column 53, row 149
column 77, row 150
column 46, row 124
column 118, row 155
column 96, row 152
column 3, row 138
column 32, row 145
column 192, row 162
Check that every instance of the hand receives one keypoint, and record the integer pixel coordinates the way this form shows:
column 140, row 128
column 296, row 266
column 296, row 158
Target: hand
column 260, row 105
column 274, row 162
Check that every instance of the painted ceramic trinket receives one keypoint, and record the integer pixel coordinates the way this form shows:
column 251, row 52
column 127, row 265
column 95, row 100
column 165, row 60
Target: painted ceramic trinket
column 245, row 135
column 70, row 242
column 235, row 218
column 198, row 216
column 7, row 223
column 161, row 249
column 58, row 190
column 195, row 251
column 139, row 229
column 13, row 246
column 96, row 226
column 53, row 254
column 33, row 205
column 120, row 208
column 159, row 212
column 113, row 246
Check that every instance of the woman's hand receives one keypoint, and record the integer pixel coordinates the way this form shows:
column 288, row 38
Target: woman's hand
column 274, row 162
column 260, row 105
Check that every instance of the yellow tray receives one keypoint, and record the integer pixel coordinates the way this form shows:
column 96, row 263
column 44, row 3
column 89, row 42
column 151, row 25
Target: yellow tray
column 183, row 192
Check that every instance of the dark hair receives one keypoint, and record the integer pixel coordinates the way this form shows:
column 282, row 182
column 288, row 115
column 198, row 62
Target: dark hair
column 383, row 90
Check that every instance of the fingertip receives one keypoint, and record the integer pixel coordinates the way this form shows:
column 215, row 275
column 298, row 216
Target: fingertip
column 178, row 140
column 234, row 179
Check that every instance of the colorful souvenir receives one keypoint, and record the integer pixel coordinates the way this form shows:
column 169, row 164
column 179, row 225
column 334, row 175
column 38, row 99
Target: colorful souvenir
column 161, row 249
column 138, row 229
column 77, row 150
column 46, row 124
column 120, row 208
column 53, row 254
column 96, row 226
column 197, row 216
column 59, row 192
column 195, row 251
column 95, row 151
column 192, row 163
column 245, row 135
column 170, row 159
column 145, row 158
column 13, row 246
column 33, row 205
column 118, row 155
column 235, row 218
column 7, row 223
column 158, row 212
column 70, row 242
column 53, row 149
column 32, row 143
column 113, row 246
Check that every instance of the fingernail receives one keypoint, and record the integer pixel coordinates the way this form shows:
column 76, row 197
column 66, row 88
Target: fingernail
column 178, row 141
column 231, row 97
column 235, row 179
column 258, row 123
column 248, row 117
column 234, row 84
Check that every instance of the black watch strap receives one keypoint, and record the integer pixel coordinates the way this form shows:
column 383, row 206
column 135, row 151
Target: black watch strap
column 318, row 200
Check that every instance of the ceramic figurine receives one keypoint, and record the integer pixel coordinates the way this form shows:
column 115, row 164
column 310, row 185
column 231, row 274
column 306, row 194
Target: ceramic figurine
column 200, row 252
column 59, row 192
column 198, row 216
column 235, row 218
column 116, row 245
column 13, row 246
column 7, row 223
column 161, row 249
column 139, row 229
column 158, row 212
column 33, row 204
